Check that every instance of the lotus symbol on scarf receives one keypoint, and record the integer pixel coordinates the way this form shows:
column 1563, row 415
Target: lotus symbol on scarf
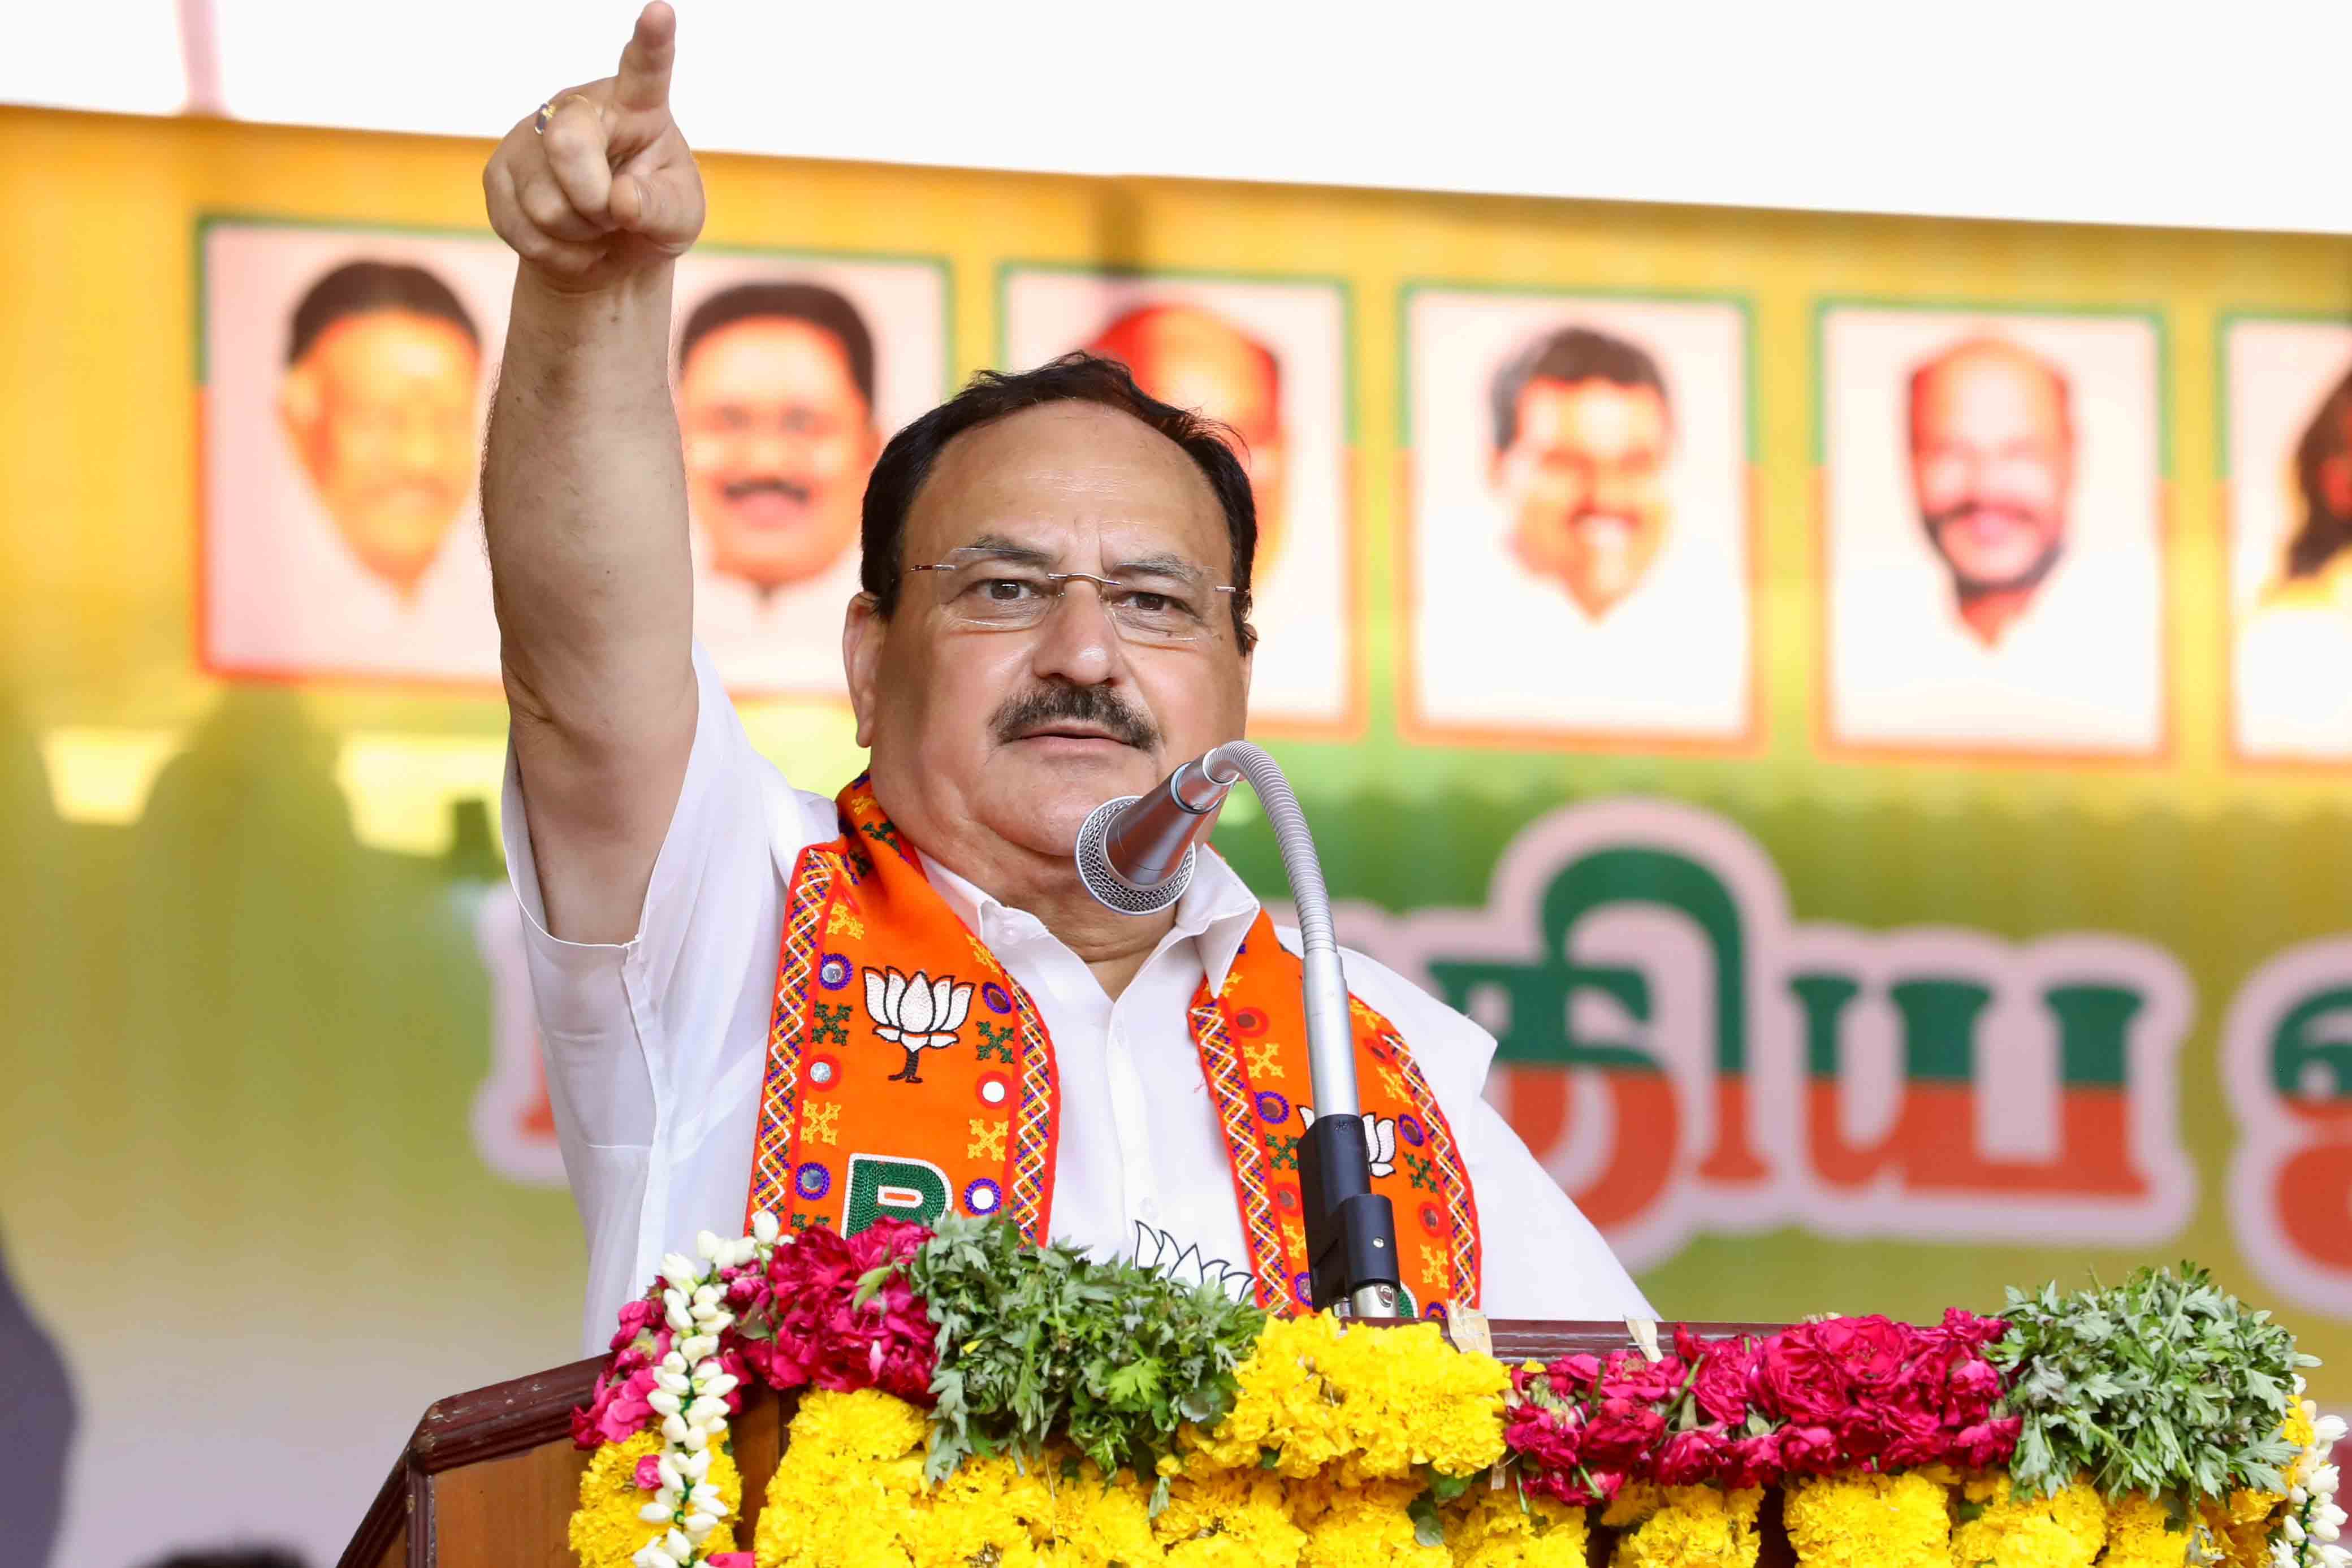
column 1380, row 1139
column 917, row 1015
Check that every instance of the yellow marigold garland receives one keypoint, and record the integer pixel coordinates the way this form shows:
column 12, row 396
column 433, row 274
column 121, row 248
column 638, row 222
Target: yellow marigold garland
column 1376, row 1402
column 1855, row 1521
column 2142, row 1533
column 1362, row 1526
column 1686, row 1527
column 1497, row 1527
column 606, row 1531
column 1217, row 1517
column 2064, row 1530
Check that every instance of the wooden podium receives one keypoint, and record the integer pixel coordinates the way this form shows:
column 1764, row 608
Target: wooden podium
column 490, row 1478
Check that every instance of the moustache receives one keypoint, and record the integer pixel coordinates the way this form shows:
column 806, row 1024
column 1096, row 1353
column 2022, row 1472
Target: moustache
column 768, row 485
column 1097, row 705
column 1969, row 511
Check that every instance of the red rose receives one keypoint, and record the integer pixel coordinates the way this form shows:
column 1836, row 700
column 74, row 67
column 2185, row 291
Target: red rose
column 1809, row 1450
column 1623, row 1434
column 1795, row 1380
column 1723, row 1376
column 1970, row 1390
column 1753, row 1461
column 1693, row 1458
column 1913, row 1437
column 1869, row 1353
column 1988, row 1444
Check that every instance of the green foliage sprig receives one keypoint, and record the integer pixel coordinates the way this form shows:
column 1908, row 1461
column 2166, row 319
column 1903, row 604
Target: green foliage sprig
column 2165, row 1386
column 1035, row 1341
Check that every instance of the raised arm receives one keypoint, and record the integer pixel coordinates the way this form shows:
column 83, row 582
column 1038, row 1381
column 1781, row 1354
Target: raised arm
column 583, row 493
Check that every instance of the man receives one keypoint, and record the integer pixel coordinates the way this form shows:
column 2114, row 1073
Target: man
column 1582, row 432
column 377, row 406
column 775, row 400
column 2289, row 699
column 2318, row 570
column 1992, row 466
column 1193, row 359
column 2004, row 611
column 903, row 1001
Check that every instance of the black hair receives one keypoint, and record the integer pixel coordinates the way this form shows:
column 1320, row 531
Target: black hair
column 232, row 1557
column 1572, row 354
column 362, row 288
column 906, row 463
column 813, row 303
column 2324, row 532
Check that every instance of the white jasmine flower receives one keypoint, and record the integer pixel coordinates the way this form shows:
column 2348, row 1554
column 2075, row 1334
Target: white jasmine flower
column 764, row 1228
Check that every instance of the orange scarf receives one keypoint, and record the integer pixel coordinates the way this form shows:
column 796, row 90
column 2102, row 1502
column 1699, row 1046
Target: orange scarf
column 909, row 1075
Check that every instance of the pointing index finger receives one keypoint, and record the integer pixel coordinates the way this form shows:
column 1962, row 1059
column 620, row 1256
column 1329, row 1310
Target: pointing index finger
column 642, row 80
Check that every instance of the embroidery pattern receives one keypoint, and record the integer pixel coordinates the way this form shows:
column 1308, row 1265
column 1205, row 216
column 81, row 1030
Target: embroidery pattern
column 1461, row 1203
column 1246, row 1156
column 772, row 1154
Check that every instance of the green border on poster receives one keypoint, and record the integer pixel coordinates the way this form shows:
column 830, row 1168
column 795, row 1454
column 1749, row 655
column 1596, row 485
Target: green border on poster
column 2232, row 315
column 208, row 220
column 1345, row 290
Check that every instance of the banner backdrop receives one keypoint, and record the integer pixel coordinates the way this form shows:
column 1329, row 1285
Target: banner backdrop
column 1858, row 706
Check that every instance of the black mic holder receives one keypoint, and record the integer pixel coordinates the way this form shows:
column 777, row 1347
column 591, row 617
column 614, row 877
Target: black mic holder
column 1351, row 1246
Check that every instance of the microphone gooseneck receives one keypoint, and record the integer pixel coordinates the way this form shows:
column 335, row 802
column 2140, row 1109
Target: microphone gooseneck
column 1136, row 855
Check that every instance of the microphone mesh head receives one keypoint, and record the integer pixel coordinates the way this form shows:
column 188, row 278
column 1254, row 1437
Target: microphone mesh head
column 1111, row 890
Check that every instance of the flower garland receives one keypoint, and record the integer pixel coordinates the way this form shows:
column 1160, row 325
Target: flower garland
column 984, row 1421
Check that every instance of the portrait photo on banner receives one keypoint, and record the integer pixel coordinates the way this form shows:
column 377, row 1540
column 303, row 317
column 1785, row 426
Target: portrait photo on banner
column 1268, row 357
column 2287, row 422
column 345, row 375
column 1991, row 540
column 1577, row 560
column 792, row 369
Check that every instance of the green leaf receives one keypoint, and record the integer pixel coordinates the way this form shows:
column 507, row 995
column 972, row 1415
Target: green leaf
column 1427, row 1529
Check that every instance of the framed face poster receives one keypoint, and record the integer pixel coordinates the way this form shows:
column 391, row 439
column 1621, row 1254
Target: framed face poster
column 1992, row 537
column 345, row 375
column 1577, row 557
column 792, row 369
column 2286, row 461
column 1268, row 358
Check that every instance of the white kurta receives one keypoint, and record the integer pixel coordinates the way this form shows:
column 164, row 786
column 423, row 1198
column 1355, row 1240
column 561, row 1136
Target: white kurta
column 655, row 1047
column 287, row 596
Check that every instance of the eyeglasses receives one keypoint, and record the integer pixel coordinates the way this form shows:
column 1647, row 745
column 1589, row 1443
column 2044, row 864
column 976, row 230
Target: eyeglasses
column 1155, row 606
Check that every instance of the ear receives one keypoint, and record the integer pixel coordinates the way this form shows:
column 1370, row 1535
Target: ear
column 862, row 632
column 299, row 407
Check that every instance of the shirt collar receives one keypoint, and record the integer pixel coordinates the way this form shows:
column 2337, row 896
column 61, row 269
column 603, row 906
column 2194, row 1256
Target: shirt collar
column 1215, row 915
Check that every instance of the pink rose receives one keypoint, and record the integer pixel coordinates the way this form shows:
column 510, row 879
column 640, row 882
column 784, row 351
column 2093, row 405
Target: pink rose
column 648, row 1473
column 1623, row 1434
column 729, row 1560
column 1753, row 1461
column 636, row 1318
column 1970, row 1390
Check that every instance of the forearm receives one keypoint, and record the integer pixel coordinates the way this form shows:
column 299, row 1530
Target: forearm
column 583, row 501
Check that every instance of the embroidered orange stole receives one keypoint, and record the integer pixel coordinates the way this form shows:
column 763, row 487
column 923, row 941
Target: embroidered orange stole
column 909, row 1075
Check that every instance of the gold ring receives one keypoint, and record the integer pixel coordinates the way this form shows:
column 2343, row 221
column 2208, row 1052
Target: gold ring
column 547, row 110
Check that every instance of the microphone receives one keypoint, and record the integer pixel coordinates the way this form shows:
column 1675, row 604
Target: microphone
column 1136, row 853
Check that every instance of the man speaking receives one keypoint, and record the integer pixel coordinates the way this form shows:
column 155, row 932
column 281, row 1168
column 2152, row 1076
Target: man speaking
column 903, row 1001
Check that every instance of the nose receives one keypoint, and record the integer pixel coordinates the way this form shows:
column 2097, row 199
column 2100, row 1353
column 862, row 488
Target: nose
column 1077, row 642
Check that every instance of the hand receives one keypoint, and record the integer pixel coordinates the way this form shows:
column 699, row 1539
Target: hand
column 609, row 188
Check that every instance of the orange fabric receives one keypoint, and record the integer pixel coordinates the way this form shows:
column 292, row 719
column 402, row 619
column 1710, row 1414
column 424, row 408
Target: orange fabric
column 908, row 1074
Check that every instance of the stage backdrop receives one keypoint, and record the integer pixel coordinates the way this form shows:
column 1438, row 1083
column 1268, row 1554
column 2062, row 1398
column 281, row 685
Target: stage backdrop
column 1862, row 708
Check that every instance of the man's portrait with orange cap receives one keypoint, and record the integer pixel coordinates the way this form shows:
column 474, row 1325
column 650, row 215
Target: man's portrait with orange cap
column 1267, row 360
column 1992, row 486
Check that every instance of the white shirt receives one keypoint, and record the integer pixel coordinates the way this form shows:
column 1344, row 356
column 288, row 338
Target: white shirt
column 655, row 1049
column 2081, row 668
column 785, row 642
column 287, row 594
column 1495, row 645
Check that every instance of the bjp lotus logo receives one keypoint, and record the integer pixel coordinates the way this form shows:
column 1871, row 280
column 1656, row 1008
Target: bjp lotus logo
column 1380, row 1139
column 917, row 1015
